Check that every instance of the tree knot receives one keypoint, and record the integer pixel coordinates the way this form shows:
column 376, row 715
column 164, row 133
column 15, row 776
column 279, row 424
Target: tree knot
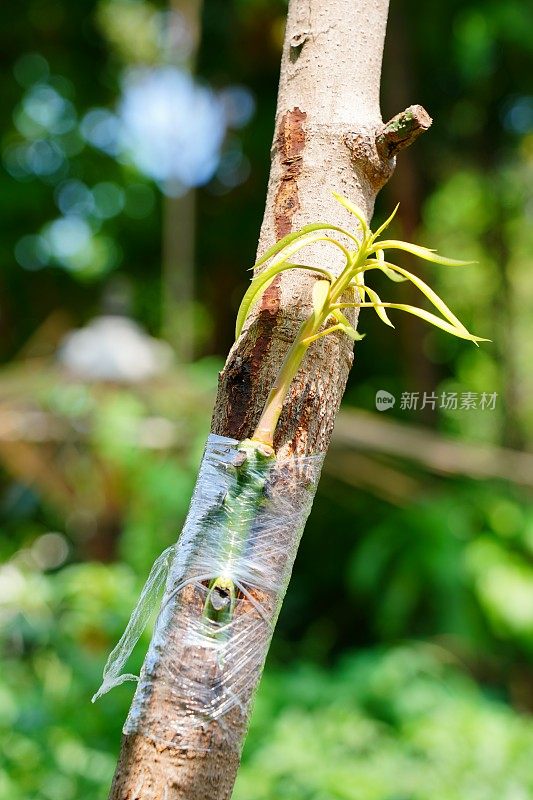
column 375, row 151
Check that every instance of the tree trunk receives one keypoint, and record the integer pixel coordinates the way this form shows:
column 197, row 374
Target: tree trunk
column 328, row 136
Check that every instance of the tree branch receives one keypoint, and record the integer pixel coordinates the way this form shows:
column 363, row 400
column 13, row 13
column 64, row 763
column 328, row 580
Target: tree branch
column 373, row 151
column 402, row 130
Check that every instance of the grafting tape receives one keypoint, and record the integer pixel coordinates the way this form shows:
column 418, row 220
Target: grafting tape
column 225, row 582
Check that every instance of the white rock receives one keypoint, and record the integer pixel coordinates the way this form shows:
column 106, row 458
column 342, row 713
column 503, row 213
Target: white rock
column 112, row 348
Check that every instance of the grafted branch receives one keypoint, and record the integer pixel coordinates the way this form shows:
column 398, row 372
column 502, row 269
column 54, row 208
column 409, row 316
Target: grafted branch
column 328, row 96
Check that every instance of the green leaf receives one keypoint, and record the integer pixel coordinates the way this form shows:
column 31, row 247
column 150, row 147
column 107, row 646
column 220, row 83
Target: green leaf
column 305, row 241
column 421, row 252
column 259, row 285
column 391, row 274
column 250, row 300
column 353, row 209
column 348, row 327
column 320, row 297
column 461, row 332
column 278, row 246
column 345, row 328
column 432, row 296
column 340, row 317
column 385, row 224
column 350, row 331
column 378, row 306
column 259, row 282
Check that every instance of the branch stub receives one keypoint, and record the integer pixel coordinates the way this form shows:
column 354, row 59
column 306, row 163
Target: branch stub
column 402, row 130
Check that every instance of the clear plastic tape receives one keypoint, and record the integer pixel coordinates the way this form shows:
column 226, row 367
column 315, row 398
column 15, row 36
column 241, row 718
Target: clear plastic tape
column 227, row 578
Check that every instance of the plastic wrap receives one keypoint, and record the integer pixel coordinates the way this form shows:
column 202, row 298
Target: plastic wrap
column 226, row 580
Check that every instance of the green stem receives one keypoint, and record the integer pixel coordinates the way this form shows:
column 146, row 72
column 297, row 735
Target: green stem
column 307, row 333
column 266, row 426
column 238, row 511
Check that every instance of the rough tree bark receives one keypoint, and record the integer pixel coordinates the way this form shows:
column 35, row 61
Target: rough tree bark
column 329, row 135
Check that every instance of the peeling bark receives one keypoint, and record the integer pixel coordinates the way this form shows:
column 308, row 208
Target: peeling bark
column 290, row 142
column 325, row 139
column 240, row 369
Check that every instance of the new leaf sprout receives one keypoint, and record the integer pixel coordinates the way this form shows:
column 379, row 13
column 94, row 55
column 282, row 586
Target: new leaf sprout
column 334, row 293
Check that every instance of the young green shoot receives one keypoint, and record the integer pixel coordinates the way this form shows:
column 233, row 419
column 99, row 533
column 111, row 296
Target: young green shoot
column 332, row 294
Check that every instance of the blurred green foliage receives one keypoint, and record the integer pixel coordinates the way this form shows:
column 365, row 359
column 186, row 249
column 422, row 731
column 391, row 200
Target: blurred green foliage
column 113, row 467
column 434, row 591
column 403, row 722
column 55, row 631
column 458, row 564
column 400, row 724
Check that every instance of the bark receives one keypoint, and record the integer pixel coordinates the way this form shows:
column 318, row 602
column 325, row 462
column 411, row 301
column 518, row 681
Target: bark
column 328, row 136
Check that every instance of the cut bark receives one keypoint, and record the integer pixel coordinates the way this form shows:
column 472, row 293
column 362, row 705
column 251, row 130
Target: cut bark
column 326, row 135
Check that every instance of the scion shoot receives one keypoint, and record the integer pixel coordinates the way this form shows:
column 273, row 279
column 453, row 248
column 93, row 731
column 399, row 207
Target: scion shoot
column 331, row 294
